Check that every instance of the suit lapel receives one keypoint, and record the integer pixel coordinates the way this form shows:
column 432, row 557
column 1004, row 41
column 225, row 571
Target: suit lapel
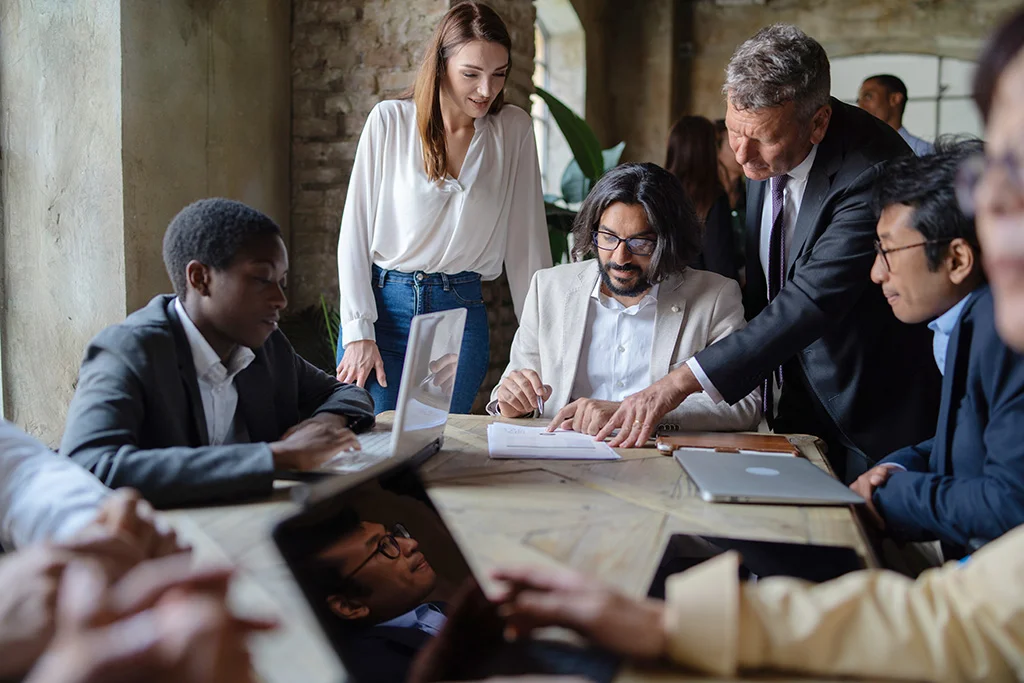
column 668, row 323
column 256, row 400
column 187, row 372
column 574, row 324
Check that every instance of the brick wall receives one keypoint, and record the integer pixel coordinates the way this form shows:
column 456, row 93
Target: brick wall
column 347, row 55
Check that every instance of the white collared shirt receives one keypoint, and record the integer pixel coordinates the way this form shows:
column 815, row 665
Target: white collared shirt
column 216, row 382
column 792, row 199
column 615, row 358
column 398, row 219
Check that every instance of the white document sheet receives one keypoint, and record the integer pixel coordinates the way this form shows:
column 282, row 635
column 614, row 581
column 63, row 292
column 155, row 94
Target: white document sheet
column 506, row 441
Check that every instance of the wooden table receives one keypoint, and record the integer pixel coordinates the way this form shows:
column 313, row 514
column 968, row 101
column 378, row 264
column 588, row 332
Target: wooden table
column 611, row 519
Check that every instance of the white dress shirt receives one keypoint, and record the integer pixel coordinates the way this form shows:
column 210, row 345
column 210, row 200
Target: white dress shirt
column 216, row 383
column 615, row 357
column 792, row 198
column 43, row 496
column 396, row 218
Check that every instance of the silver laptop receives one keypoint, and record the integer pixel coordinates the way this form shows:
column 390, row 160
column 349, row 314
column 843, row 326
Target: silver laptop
column 756, row 478
column 424, row 396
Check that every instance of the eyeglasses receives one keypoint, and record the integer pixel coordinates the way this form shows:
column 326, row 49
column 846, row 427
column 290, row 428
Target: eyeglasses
column 386, row 546
column 884, row 253
column 638, row 246
column 975, row 167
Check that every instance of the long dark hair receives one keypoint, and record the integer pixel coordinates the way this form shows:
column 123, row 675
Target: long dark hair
column 463, row 23
column 693, row 158
column 669, row 212
column 1001, row 49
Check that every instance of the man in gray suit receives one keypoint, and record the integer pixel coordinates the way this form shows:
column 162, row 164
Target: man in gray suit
column 819, row 332
column 199, row 396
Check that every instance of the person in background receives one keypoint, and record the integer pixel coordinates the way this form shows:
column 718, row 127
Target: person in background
column 199, row 396
column 596, row 330
column 885, row 96
column 444, row 190
column 730, row 175
column 693, row 158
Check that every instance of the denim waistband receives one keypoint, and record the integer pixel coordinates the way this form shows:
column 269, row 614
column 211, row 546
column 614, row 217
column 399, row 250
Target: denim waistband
column 380, row 276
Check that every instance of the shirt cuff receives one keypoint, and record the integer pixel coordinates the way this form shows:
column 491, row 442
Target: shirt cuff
column 357, row 330
column 893, row 464
column 705, row 382
column 701, row 618
column 492, row 408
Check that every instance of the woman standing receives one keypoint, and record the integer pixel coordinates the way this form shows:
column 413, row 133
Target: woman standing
column 693, row 158
column 445, row 188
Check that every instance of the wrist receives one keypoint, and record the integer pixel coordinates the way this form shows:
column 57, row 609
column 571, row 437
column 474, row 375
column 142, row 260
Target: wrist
column 683, row 382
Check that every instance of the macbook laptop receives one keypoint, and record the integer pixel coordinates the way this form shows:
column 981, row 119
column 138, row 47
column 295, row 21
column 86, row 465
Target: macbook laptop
column 424, row 396
column 382, row 573
column 755, row 478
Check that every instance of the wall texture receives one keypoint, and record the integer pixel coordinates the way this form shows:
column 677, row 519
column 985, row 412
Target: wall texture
column 347, row 55
column 63, row 253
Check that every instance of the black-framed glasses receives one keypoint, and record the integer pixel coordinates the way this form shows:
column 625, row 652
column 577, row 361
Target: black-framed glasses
column 386, row 546
column 975, row 167
column 884, row 253
column 638, row 246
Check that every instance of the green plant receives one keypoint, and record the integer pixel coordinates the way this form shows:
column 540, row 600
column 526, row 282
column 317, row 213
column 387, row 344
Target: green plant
column 589, row 163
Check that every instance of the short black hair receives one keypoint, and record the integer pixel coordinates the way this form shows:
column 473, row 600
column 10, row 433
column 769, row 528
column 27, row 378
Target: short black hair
column 926, row 183
column 891, row 84
column 212, row 231
column 670, row 215
column 1002, row 47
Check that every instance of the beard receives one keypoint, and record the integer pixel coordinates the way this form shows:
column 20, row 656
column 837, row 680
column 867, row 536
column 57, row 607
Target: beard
column 640, row 285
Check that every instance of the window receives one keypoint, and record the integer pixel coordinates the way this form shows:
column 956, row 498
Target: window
column 938, row 90
column 539, row 111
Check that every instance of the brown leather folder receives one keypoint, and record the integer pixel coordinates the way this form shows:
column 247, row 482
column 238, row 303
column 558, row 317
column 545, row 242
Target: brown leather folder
column 727, row 442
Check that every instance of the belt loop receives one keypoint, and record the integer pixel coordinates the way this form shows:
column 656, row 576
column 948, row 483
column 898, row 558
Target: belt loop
column 381, row 278
column 447, row 284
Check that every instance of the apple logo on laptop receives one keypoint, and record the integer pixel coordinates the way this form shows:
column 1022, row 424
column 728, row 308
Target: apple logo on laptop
column 762, row 471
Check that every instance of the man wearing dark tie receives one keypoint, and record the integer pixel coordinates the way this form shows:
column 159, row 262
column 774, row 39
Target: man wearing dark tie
column 832, row 359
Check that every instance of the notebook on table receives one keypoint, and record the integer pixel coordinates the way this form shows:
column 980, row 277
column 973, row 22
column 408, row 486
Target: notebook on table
column 728, row 442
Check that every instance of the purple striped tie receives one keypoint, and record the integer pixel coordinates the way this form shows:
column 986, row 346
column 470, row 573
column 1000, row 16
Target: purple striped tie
column 776, row 269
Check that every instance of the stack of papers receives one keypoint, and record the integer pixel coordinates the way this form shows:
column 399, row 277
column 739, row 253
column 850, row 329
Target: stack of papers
column 507, row 441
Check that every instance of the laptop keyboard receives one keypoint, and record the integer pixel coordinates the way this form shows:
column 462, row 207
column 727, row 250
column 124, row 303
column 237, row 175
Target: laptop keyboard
column 376, row 446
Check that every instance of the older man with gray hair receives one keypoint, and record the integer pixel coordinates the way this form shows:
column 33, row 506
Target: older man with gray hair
column 820, row 337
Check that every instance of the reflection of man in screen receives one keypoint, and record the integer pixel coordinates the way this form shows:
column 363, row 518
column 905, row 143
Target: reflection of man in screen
column 378, row 582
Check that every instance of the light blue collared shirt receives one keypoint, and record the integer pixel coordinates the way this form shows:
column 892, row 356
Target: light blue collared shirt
column 427, row 618
column 943, row 328
column 920, row 147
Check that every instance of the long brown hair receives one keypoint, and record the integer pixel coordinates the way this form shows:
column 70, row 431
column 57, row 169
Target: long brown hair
column 693, row 158
column 463, row 23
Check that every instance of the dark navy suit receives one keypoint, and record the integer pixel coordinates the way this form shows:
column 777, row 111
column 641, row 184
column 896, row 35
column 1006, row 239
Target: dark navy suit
column 967, row 483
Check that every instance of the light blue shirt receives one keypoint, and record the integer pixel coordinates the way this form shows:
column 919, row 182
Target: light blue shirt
column 427, row 618
column 943, row 327
column 920, row 147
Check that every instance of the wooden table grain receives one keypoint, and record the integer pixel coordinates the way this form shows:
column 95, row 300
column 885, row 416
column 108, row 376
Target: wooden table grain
column 611, row 519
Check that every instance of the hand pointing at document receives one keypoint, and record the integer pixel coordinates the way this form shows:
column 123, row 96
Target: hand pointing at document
column 639, row 414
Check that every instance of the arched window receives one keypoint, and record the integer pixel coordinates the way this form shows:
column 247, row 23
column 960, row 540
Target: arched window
column 938, row 90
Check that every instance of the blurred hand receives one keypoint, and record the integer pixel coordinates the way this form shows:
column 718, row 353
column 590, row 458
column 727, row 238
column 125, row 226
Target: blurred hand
column 518, row 392
column 584, row 415
column 537, row 598
column 311, row 443
column 29, row 581
column 161, row 623
column 443, row 372
column 360, row 359
column 126, row 514
column 638, row 415
column 866, row 484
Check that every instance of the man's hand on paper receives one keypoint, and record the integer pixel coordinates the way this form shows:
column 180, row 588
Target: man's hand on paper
column 584, row 415
column 519, row 392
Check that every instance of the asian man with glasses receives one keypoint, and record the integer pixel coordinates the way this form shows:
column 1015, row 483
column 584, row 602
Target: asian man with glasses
column 595, row 331
column 965, row 486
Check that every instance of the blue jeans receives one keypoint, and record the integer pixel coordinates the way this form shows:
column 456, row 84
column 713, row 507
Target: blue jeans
column 399, row 297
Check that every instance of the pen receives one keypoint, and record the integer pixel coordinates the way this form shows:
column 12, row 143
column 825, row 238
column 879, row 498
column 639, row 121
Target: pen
column 540, row 406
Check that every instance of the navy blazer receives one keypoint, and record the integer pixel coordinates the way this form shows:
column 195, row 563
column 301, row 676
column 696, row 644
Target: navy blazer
column 967, row 482
column 137, row 416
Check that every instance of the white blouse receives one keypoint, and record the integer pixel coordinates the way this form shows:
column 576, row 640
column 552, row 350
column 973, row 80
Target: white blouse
column 398, row 219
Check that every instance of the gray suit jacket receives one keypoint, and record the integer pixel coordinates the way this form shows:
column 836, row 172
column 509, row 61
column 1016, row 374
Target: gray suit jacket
column 137, row 416
column 695, row 309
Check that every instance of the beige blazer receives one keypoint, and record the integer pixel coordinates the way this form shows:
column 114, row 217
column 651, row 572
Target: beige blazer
column 695, row 310
column 957, row 623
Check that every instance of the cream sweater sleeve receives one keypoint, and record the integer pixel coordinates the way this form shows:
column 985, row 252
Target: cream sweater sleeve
column 955, row 623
